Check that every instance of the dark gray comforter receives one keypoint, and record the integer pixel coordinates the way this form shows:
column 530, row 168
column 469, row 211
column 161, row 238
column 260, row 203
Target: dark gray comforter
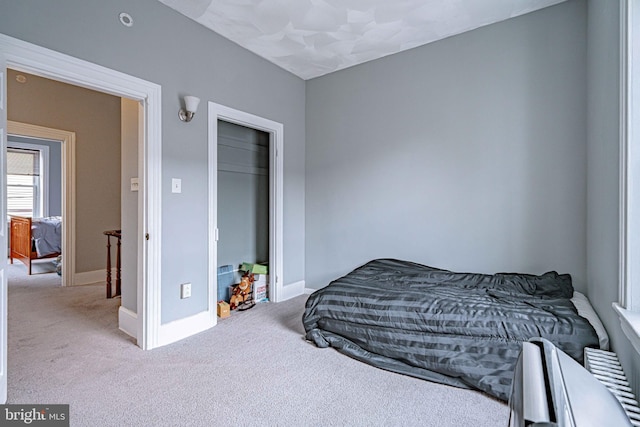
column 460, row 329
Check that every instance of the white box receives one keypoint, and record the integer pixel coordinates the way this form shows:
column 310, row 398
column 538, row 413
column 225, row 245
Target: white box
column 261, row 288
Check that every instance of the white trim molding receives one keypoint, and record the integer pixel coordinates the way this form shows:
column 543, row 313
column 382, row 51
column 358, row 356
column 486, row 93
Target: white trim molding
column 93, row 277
column 89, row 277
column 630, row 324
column 624, row 194
column 292, row 290
column 276, row 178
column 128, row 322
column 629, row 185
column 68, row 140
column 4, row 244
column 183, row 328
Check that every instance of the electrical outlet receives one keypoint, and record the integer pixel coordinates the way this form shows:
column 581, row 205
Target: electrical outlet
column 185, row 290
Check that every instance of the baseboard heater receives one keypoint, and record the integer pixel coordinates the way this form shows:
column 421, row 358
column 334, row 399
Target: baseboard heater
column 551, row 389
column 606, row 368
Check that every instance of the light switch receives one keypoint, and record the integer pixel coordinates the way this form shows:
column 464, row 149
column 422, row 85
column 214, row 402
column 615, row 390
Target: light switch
column 176, row 185
column 134, row 184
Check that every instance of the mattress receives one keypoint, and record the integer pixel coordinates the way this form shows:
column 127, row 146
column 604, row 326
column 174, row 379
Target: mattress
column 47, row 235
column 585, row 309
column 460, row 329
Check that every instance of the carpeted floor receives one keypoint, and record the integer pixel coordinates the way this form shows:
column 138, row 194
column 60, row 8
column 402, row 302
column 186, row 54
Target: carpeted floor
column 252, row 369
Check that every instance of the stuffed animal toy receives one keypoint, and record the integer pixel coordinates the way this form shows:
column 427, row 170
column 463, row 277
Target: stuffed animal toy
column 241, row 295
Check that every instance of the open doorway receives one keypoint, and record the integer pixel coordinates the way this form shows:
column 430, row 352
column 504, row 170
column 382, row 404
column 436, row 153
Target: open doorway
column 110, row 133
column 60, row 186
column 90, row 188
column 107, row 159
column 243, row 210
column 34, row 202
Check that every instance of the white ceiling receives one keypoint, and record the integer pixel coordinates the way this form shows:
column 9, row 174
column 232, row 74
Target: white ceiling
column 311, row 38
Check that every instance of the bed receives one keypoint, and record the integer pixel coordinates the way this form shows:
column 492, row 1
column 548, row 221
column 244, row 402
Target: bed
column 34, row 238
column 461, row 329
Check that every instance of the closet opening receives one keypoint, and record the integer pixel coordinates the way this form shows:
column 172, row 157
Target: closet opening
column 243, row 213
column 245, row 205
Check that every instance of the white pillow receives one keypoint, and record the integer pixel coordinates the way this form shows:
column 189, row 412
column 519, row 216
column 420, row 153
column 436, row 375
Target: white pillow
column 582, row 304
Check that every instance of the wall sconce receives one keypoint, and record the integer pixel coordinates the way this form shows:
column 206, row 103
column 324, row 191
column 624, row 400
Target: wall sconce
column 191, row 106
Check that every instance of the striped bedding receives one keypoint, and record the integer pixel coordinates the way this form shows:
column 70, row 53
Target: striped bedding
column 460, row 329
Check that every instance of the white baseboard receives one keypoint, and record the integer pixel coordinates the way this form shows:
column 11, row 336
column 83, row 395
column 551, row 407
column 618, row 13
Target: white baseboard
column 292, row 290
column 309, row 291
column 96, row 276
column 183, row 328
column 128, row 322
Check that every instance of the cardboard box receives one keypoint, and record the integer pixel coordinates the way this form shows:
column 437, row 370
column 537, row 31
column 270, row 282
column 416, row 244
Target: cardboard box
column 254, row 268
column 223, row 309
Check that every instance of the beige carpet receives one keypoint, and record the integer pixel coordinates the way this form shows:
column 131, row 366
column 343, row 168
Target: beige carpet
column 251, row 369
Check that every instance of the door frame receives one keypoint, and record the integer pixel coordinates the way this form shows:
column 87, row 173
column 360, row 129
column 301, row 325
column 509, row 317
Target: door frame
column 68, row 140
column 3, row 231
column 276, row 139
column 33, row 59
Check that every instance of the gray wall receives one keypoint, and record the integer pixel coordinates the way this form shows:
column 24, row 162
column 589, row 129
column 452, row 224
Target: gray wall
column 55, row 170
column 243, row 194
column 466, row 154
column 185, row 58
column 603, row 175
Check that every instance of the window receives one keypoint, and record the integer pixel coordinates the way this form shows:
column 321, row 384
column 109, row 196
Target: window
column 25, row 184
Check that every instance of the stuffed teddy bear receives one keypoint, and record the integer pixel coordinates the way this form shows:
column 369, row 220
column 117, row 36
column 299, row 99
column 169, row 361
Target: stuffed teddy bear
column 241, row 295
